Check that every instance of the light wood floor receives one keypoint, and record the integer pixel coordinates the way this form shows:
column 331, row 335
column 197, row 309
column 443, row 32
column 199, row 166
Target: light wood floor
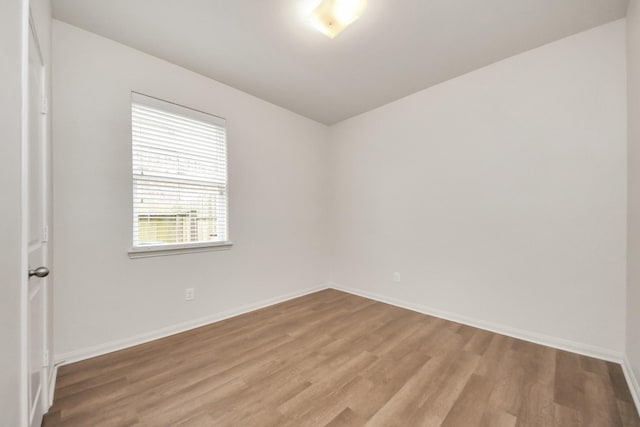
column 340, row 360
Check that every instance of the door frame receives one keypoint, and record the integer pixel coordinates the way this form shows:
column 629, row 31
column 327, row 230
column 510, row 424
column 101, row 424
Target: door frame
column 29, row 28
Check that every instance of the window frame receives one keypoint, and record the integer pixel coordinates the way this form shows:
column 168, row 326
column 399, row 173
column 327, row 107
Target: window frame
column 145, row 251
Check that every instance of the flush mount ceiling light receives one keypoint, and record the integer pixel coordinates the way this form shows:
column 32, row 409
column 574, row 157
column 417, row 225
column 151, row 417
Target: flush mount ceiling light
column 330, row 17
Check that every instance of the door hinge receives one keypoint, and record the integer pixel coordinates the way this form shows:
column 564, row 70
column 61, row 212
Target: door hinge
column 45, row 234
column 45, row 106
column 45, row 359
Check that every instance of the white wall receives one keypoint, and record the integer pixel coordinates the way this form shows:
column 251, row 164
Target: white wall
column 633, row 213
column 277, row 179
column 500, row 196
column 10, row 200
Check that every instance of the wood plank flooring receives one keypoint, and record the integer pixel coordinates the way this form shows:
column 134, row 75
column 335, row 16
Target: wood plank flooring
column 334, row 359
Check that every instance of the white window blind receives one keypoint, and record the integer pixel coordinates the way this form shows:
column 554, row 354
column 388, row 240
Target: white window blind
column 179, row 175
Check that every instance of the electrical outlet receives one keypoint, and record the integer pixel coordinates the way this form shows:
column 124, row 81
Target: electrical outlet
column 189, row 294
column 396, row 277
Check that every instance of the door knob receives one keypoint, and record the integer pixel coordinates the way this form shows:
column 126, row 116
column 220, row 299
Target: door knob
column 39, row 272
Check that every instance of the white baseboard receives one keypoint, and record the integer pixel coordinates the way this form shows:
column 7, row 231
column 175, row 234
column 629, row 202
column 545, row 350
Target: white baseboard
column 550, row 341
column 100, row 349
column 632, row 381
column 546, row 340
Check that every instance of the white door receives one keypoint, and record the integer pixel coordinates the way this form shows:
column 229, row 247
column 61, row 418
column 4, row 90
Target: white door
column 36, row 218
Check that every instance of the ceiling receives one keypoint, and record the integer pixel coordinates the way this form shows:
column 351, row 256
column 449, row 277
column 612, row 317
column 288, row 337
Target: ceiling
column 397, row 47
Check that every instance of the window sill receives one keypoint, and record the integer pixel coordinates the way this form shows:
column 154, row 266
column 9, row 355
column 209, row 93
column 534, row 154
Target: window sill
column 152, row 251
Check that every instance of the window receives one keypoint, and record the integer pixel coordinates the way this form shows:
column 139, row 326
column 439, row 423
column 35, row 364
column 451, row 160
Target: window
column 179, row 178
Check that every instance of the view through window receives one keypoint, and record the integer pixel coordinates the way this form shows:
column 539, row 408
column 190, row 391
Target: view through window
column 179, row 175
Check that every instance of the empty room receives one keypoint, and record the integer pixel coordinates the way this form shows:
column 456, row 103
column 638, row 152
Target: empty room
column 320, row 213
